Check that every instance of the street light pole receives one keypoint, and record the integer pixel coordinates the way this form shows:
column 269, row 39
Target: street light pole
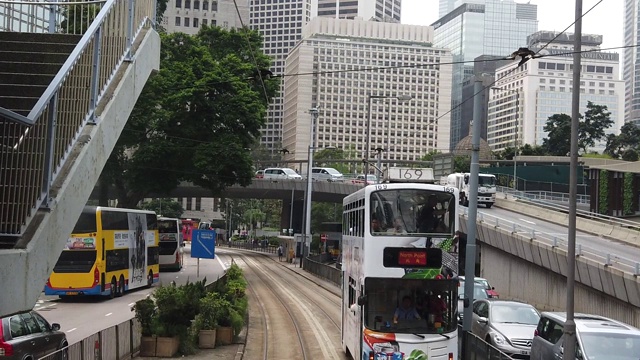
column 307, row 232
column 570, row 325
column 379, row 150
column 368, row 139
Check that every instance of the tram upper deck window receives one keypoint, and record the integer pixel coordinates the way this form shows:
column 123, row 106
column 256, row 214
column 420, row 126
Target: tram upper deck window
column 412, row 212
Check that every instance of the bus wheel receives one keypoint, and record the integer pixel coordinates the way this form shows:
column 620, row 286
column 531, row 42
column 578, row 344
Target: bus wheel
column 114, row 288
column 121, row 286
column 150, row 278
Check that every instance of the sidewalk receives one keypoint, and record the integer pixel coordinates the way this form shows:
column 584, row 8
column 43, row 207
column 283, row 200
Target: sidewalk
column 236, row 351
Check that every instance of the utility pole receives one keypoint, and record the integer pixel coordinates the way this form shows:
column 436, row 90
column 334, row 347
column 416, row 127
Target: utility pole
column 570, row 325
column 307, row 225
column 470, row 259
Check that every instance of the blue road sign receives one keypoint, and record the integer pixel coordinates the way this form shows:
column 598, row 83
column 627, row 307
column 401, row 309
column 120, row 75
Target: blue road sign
column 203, row 244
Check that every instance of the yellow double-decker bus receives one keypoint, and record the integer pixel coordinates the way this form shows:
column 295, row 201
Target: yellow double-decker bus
column 110, row 251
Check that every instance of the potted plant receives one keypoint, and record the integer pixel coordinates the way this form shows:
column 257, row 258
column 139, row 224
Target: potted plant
column 224, row 316
column 145, row 311
column 170, row 320
column 206, row 321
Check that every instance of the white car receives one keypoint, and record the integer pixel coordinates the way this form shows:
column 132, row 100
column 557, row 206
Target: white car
column 281, row 174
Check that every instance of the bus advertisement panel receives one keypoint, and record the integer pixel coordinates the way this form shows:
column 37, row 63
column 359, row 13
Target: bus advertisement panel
column 109, row 252
column 399, row 294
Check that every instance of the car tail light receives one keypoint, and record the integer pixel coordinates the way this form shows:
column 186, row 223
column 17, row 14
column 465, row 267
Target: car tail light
column 450, row 356
column 535, row 332
column 371, row 355
column 96, row 277
column 177, row 257
column 6, row 349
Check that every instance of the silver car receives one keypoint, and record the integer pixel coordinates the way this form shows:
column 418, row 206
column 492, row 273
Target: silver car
column 598, row 338
column 507, row 325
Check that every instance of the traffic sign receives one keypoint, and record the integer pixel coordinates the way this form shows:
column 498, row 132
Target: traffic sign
column 203, row 244
column 323, row 237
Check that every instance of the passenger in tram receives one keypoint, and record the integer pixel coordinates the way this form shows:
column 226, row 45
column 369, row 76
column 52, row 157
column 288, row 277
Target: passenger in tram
column 428, row 219
column 375, row 225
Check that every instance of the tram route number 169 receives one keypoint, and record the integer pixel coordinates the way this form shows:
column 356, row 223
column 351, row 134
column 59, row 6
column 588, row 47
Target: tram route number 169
column 409, row 174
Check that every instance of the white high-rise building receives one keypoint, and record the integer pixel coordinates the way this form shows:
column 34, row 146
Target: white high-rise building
column 280, row 22
column 379, row 10
column 527, row 97
column 335, row 55
column 445, row 7
column 631, row 65
column 187, row 16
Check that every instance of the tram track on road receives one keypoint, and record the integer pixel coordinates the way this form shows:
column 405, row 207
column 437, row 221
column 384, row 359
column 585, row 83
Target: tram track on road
column 269, row 285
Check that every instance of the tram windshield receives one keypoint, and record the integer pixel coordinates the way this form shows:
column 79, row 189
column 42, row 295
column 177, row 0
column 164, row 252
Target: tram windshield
column 415, row 306
column 412, row 212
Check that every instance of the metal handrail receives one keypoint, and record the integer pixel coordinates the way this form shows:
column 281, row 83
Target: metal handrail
column 39, row 144
column 608, row 259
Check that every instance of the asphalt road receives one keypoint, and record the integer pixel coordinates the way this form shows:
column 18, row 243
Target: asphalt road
column 593, row 242
column 82, row 317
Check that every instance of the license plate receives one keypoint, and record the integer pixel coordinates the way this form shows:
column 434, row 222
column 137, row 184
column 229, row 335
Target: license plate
column 524, row 352
column 71, row 293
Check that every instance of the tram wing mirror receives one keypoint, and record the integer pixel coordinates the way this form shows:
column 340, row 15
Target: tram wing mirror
column 362, row 299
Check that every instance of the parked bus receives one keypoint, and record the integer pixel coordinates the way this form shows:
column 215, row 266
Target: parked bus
column 389, row 267
column 109, row 252
column 171, row 244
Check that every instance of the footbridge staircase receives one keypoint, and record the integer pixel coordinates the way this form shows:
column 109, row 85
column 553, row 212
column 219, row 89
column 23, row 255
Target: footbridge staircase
column 70, row 74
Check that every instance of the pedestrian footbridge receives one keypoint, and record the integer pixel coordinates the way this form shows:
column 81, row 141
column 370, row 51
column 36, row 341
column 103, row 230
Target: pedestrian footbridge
column 67, row 87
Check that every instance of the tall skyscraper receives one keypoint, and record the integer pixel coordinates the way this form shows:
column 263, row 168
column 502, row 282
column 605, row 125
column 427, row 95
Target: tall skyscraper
column 480, row 27
column 542, row 88
column 188, row 16
column 407, row 129
column 380, row 10
column 445, row 7
column 631, row 65
column 280, row 22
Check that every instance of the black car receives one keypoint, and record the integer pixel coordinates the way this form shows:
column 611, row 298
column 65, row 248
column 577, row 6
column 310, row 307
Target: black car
column 28, row 336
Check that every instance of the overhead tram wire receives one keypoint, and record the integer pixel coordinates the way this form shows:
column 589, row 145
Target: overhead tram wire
column 253, row 57
column 522, row 62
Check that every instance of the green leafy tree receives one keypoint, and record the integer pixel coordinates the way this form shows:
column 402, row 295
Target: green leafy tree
column 78, row 17
column 535, row 150
column 461, row 163
column 430, row 154
column 627, row 142
column 324, row 212
column 324, row 157
column 196, row 120
column 591, row 128
column 166, row 207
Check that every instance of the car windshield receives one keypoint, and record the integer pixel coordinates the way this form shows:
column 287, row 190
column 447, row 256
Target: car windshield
column 610, row 346
column 412, row 212
column 333, row 171
column 289, row 171
column 514, row 314
column 420, row 306
column 487, row 181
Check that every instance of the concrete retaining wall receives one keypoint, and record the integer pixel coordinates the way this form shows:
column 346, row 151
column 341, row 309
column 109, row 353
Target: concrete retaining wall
column 595, row 227
column 541, row 279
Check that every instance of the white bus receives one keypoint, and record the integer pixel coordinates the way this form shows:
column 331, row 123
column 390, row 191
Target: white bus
column 171, row 243
column 398, row 299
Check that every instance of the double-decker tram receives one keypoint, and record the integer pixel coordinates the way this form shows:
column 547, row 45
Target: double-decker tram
column 399, row 298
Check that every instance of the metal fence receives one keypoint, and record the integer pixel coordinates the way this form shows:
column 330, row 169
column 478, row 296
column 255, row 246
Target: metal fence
column 324, row 271
column 474, row 348
column 34, row 149
column 119, row 342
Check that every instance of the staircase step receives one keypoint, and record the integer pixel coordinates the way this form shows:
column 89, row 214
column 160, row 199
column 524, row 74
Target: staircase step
column 30, row 67
column 49, row 47
column 22, row 90
column 19, row 104
column 31, row 56
column 24, row 37
column 26, row 79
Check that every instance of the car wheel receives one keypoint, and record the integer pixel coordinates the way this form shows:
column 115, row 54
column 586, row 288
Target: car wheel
column 64, row 351
column 121, row 286
column 114, row 288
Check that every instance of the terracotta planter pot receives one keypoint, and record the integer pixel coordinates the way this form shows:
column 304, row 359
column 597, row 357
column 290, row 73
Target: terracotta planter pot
column 167, row 346
column 224, row 336
column 148, row 346
column 207, row 339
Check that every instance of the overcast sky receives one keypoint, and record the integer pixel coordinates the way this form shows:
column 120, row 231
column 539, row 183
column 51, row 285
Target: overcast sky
column 605, row 19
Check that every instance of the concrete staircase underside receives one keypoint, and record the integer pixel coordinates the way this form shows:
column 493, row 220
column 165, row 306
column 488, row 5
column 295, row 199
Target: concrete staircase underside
column 23, row 272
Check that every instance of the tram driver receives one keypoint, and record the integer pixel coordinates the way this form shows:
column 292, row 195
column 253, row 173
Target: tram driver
column 406, row 311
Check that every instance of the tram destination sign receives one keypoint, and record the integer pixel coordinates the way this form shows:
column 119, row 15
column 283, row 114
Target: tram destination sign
column 404, row 257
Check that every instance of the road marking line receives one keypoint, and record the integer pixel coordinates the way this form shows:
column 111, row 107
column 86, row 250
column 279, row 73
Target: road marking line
column 109, row 314
column 527, row 221
column 71, row 330
column 221, row 263
column 131, row 304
